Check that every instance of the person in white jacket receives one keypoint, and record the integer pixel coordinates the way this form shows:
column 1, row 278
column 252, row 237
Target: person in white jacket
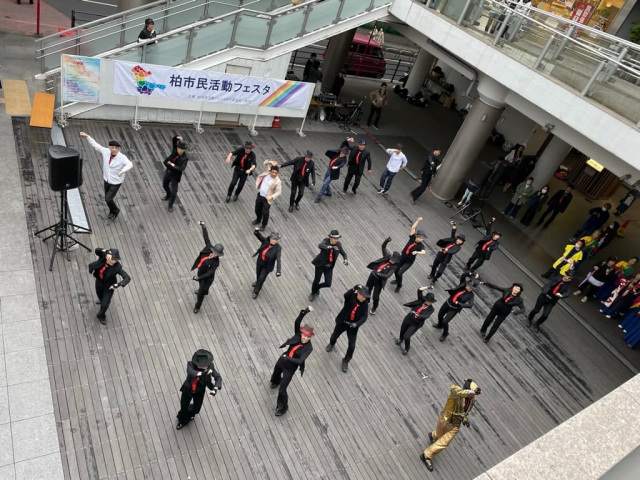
column 114, row 166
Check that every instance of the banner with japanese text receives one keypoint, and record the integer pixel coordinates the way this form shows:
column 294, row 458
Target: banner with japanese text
column 139, row 79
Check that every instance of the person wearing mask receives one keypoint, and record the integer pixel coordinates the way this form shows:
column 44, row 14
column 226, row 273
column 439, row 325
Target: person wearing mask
column 106, row 270
column 379, row 98
column 484, row 248
column 413, row 248
column 333, row 171
column 523, row 192
column 268, row 257
column 243, row 164
column 421, row 309
column 353, row 315
column 428, row 171
column 558, row 287
column 556, row 205
column 325, row 261
column 201, row 374
column 510, row 298
column 358, row 156
column 397, row 161
column 303, row 169
column 598, row 216
column 114, row 166
column 206, row 264
column 148, row 31
column 381, row 270
column 460, row 297
column 449, row 247
column 534, row 205
column 269, row 188
column 175, row 165
column 569, row 260
column 604, row 272
column 298, row 350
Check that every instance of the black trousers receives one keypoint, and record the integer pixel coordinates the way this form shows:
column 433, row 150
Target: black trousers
column 105, row 294
column 438, row 267
column 527, row 218
column 188, row 409
column 297, row 188
column 352, row 336
column 400, row 272
column 544, row 303
column 445, row 315
column 109, row 194
column 375, row 114
column 478, row 258
column 407, row 329
column 282, row 375
column 203, row 290
column 347, row 180
column 328, row 278
column 374, row 284
column 496, row 317
column 261, row 275
column 239, row 177
column 170, row 185
column 262, row 209
column 417, row 192
column 549, row 210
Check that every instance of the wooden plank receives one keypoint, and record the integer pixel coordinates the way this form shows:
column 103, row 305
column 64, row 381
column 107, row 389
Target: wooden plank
column 42, row 111
column 16, row 97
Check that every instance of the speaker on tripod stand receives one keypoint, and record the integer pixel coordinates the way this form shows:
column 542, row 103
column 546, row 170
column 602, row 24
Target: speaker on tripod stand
column 65, row 173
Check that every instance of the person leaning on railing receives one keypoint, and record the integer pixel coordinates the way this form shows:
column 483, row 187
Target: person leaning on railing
column 148, row 31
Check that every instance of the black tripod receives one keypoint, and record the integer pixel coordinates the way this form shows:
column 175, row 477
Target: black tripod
column 62, row 240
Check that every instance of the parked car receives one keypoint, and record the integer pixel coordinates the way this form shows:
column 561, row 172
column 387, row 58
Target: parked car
column 365, row 58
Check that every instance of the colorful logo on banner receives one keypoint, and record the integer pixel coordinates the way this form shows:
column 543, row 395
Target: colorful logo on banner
column 80, row 79
column 181, row 84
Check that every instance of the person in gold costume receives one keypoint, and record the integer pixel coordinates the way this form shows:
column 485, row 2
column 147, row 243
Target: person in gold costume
column 459, row 404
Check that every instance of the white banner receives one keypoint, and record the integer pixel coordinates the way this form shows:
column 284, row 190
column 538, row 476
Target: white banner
column 139, row 79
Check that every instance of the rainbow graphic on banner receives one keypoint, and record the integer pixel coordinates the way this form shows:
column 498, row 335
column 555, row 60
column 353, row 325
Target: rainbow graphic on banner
column 282, row 94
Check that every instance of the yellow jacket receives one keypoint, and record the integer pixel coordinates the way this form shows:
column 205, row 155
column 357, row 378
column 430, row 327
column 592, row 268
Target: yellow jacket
column 459, row 404
column 576, row 258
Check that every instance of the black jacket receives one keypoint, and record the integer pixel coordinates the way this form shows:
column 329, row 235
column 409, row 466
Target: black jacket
column 560, row 201
column 418, row 318
column 602, row 273
column 430, row 166
column 464, row 300
column 537, row 200
column 387, row 269
column 109, row 275
column 486, row 245
column 300, row 354
column 556, row 281
column 206, row 270
column 296, row 175
column 506, row 302
column 365, row 156
column 194, row 384
column 452, row 249
column 327, row 250
column 271, row 256
column 411, row 246
column 249, row 160
column 336, row 161
column 146, row 34
column 353, row 311
column 179, row 160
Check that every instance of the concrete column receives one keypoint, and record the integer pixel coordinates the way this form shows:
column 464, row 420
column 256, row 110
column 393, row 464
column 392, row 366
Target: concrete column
column 419, row 71
column 334, row 59
column 129, row 4
column 551, row 158
column 470, row 139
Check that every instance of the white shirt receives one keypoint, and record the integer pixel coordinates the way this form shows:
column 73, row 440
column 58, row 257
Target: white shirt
column 264, row 186
column 119, row 163
column 396, row 160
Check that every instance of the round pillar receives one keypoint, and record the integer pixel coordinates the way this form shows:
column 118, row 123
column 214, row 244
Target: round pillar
column 551, row 158
column 470, row 139
column 419, row 71
column 337, row 50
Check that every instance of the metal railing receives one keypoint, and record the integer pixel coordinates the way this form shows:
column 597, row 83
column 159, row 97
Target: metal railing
column 596, row 64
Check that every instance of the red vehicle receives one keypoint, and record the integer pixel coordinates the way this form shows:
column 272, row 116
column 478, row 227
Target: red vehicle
column 365, row 58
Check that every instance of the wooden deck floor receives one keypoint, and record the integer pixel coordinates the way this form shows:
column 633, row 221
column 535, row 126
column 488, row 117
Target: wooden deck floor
column 116, row 387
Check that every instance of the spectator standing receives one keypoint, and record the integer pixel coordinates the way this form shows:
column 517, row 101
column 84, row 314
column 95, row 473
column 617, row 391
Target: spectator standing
column 379, row 99
column 558, row 204
column 338, row 83
column 523, row 192
column 627, row 201
column 148, row 31
column 534, row 205
column 598, row 216
column 315, row 76
column 307, row 66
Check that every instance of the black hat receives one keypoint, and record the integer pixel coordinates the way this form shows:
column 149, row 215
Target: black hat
column 202, row 358
column 362, row 142
column 570, row 273
column 345, row 150
column 430, row 297
column 113, row 143
column 334, row 234
column 518, row 285
column 274, row 235
column 307, row 330
column 364, row 291
column 181, row 145
column 308, row 153
column 249, row 145
column 495, row 232
column 219, row 249
column 395, row 257
column 115, row 253
column 461, row 236
column 421, row 233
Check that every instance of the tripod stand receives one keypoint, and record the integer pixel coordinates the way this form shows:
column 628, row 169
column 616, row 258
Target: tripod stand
column 62, row 239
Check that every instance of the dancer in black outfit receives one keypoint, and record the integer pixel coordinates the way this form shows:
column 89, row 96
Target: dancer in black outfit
column 511, row 298
column 358, row 156
column 484, row 248
column 268, row 256
column 413, row 247
column 324, row 262
column 206, row 265
column 450, row 246
column 558, row 287
column 298, row 350
column 382, row 269
column 201, row 374
column 106, row 270
column 176, row 163
column 421, row 309
column 428, row 171
column 243, row 164
column 459, row 297
column 303, row 168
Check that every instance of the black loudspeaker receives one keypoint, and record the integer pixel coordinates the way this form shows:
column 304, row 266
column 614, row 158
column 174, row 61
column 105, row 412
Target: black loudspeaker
column 65, row 168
